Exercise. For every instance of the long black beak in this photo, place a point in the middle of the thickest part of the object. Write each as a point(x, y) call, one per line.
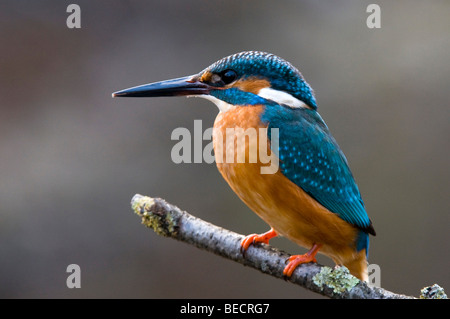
point(188, 85)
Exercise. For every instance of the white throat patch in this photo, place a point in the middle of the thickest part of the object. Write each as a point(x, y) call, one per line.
point(222, 105)
point(281, 97)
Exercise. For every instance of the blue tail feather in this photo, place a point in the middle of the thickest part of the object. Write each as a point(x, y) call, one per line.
point(362, 242)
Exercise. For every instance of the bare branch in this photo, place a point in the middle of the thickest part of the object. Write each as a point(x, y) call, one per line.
point(168, 220)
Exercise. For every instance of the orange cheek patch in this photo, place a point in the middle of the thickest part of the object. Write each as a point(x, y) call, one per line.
point(252, 84)
point(206, 77)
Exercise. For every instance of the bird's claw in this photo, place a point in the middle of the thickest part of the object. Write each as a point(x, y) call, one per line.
point(255, 238)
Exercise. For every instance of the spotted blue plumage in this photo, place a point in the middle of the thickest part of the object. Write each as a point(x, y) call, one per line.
point(311, 158)
point(282, 75)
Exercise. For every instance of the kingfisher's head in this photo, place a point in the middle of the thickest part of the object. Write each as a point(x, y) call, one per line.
point(241, 79)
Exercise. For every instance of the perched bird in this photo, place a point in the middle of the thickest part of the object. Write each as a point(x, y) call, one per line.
point(312, 198)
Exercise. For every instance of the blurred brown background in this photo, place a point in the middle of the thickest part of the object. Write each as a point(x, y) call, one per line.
point(72, 157)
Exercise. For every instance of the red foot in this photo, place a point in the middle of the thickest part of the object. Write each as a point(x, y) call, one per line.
point(296, 260)
point(255, 238)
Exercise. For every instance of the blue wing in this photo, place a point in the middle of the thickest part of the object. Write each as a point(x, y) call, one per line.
point(310, 158)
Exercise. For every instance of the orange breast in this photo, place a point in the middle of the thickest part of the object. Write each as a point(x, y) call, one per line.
point(289, 210)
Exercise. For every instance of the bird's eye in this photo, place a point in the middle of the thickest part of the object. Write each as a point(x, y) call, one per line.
point(228, 76)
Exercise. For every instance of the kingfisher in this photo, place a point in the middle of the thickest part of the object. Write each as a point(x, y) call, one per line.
point(312, 198)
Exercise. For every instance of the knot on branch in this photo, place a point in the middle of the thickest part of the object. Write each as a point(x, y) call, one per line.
point(156, 214)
